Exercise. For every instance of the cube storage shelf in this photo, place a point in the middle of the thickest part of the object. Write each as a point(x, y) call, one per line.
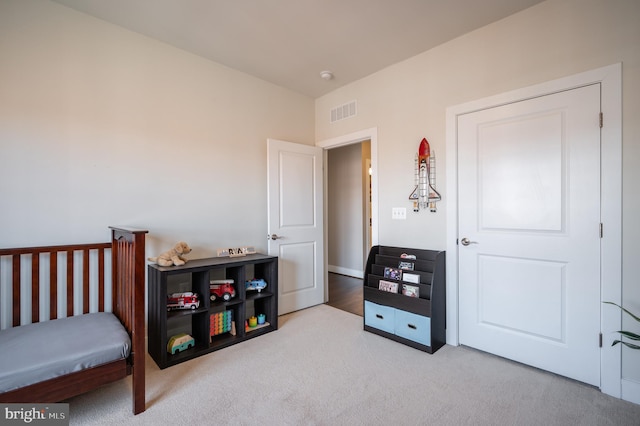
point(195, 277)
point(419, 322)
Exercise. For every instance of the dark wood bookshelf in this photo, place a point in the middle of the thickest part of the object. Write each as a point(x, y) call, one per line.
point(195, 277)
point(419, 322)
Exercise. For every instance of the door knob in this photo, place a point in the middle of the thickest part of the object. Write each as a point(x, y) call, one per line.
point(465, 241)
point(273, 237)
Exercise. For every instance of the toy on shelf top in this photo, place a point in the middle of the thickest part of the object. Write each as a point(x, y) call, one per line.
point(235, 252)
point(173, 256)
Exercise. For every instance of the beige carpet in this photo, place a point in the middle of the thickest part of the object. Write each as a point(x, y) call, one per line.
point(321, 368)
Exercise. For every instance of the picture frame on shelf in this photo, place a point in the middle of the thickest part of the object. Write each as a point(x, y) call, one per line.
point(389, 286)
point(412, 278)
point(406, 266)
point(410, 290)
point(393, 273)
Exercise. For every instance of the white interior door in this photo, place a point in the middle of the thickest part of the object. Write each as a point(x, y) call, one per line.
point(295, 222)
point(529, 229)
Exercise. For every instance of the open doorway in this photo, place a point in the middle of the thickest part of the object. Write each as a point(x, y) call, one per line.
point(349, 223)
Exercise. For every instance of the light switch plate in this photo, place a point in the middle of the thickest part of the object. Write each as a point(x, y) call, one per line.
point(399, 213)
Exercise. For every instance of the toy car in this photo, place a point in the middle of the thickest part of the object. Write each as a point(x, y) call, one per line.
point(186, 300)
point(221, 288)
point(256, 284)
point(180, 342)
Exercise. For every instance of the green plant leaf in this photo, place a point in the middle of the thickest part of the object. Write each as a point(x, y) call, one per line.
point(630, 335)
point(632, 315)
point(631, 345)
point(627, 334)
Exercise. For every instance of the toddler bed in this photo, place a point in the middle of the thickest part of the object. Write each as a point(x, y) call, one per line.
point(55, 358)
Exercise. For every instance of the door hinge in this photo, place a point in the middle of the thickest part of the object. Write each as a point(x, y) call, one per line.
point(601, 230)
point(601, 120)
point(600, 339)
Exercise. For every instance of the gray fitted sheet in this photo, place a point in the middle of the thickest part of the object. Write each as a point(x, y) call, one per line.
point(36, 352)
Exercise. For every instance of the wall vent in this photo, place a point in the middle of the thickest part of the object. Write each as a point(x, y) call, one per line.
point(343, 111)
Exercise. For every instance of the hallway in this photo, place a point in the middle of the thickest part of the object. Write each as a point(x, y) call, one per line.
point(345, 293)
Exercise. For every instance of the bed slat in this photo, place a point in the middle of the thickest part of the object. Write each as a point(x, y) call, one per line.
point(85, 281)
point(69, 283)
point(35, 288)
point(101, 281)
point(16, 289)
point(53, 285)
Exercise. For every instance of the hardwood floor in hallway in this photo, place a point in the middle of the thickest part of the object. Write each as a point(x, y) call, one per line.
point(345, 293)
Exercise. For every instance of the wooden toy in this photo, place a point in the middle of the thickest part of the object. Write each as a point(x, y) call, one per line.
point(253, 321)
point(221, 322)
point(180, 342)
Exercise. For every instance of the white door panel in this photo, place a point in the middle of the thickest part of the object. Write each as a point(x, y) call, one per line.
point(521, 183)
point(298, 274)
point(521, 281)
point(296, 182)
point(529, 200)
point(295, 209)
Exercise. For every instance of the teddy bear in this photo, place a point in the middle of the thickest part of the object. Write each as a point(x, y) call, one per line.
point(173, 256)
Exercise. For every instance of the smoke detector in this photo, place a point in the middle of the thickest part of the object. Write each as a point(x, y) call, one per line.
point(326, 75)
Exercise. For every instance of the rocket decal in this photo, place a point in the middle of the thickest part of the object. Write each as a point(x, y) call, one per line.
point(424, 194)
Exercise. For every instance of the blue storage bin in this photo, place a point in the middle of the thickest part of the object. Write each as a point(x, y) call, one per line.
point(379, 316)
point(413, 327)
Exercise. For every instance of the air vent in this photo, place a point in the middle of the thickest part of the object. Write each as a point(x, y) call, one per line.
point(343, 111)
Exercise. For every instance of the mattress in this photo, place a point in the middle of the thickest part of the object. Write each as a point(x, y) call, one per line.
point(35, 352)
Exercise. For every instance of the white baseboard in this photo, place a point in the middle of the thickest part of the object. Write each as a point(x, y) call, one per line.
point(346, 271)
point(630, 391)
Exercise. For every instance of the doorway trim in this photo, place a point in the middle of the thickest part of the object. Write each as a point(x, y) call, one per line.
point(610, 80)
point(370, 134)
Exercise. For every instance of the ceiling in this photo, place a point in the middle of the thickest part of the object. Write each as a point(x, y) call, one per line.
point(289, 42)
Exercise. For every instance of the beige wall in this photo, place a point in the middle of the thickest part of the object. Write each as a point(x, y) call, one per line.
point(101, 126)
point(408, 101)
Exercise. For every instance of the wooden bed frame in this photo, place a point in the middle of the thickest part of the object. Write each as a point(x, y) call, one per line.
point(128, 304)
